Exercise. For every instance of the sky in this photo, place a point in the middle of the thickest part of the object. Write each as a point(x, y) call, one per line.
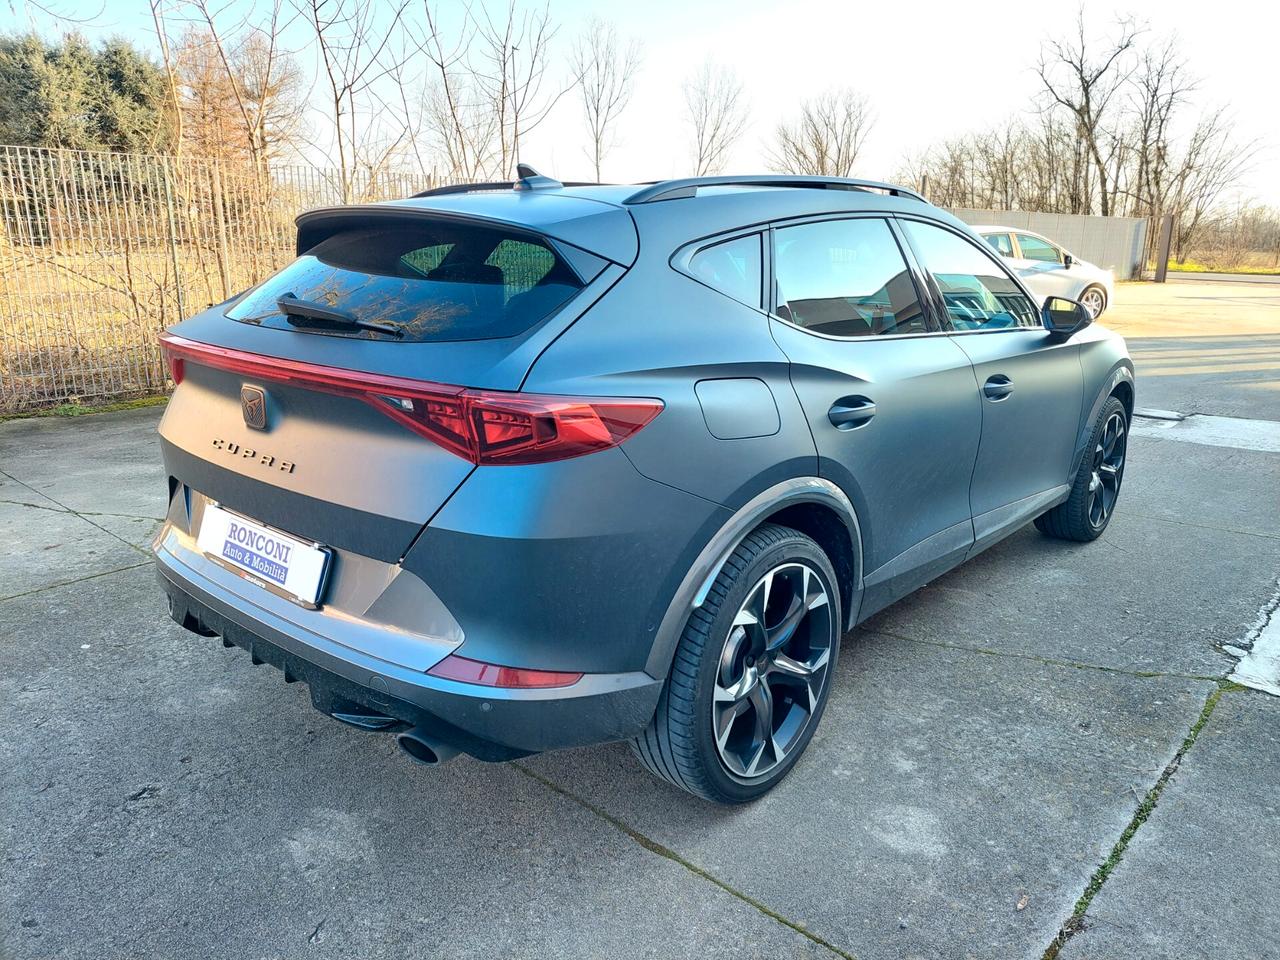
point(930, 70)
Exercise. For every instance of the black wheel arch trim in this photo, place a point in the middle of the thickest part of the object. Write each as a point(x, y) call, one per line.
point(693, 589)
point(1122, 372)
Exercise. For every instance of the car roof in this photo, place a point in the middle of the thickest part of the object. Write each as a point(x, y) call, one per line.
point(605, 218)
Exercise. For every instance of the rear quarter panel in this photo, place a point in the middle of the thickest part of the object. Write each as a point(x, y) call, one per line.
point(659, 333)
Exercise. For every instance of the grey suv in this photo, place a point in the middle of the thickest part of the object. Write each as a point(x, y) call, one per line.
point(504, 468)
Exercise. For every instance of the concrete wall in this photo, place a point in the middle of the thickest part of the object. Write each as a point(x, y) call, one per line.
point(1113, 242)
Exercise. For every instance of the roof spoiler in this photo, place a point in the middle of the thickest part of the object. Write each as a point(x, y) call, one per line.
point(529, 179)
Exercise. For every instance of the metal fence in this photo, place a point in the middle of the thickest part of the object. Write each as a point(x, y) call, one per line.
point(101, 251)
point(1115, 243)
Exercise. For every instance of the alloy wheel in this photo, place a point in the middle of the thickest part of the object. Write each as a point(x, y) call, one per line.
point(773, 670)
point(1108, 470)
point(1093, 301)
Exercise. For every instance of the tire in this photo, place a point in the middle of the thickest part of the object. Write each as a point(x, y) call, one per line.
point(1092, 293)
point(1082, 517)
point(710, 685)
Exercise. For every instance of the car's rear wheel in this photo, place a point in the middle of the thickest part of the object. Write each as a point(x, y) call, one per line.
point(752, 671)
point(1094, 300)
point(1096, 488)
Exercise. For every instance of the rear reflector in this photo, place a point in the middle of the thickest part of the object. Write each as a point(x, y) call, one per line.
point(458, 668)
point(491, 427)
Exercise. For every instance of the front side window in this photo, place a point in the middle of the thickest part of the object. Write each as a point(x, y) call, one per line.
point(425, 280)
point(975, 289)
point(1001, 243)
point(1033, 248)
point(845, 278)
point(732, 267)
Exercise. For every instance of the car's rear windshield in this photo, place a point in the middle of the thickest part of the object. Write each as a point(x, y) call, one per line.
point(434, 280)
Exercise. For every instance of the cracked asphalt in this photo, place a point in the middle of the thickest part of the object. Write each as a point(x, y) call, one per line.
point(1037, 755)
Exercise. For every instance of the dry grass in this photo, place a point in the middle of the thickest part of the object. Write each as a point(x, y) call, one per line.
point(80, 324)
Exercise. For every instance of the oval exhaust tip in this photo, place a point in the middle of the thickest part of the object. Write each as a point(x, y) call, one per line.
point(422, 750)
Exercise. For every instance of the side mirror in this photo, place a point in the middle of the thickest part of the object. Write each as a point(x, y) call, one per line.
point(1067, 260)
point(1063, 318)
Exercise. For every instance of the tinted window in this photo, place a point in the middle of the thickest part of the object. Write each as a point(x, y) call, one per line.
point(845, 278)
point(430, 280)
point(1001, 243)
point(1033, 248)
point(977, 292)
point(732, 267)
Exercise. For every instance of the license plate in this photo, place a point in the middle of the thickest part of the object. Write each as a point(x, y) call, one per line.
point(274, 560)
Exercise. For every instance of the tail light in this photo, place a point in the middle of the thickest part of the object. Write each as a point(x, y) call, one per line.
point(484, 426)
point(454, 667)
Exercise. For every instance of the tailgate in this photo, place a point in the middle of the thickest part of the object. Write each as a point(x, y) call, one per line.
point(383, 301)
point(329, 468)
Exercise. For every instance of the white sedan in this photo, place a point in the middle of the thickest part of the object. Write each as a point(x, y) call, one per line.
point(1050, 271)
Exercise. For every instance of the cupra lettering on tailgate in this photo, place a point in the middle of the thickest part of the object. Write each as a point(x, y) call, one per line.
point(231, 448)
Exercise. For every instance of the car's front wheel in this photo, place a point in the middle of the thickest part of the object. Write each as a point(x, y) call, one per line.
point(752, 671)
point(1096, 487)
point(1094, 299)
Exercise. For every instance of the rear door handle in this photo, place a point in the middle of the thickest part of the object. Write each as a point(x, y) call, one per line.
point(850, 412)
point(997, 387)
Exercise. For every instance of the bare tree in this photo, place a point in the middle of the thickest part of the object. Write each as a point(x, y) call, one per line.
point(1033, 164)
point(515, 55)
point(356, 43)
point(263, 82)
point(827, 137)
point(604, 69)
point(1160, 86)
point(1084, 81)
point(460, 122)
point(1142, 158)
point(271, 89)
point(1212, 164)
point(489, 87)
point(1244, 234)
point(713, 101)
point(170, 70)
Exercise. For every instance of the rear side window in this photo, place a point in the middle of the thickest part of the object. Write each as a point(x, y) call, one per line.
point(732, 267)
point(434, 280)
point(1033, 248)
point(845, 278)
point(978, 294)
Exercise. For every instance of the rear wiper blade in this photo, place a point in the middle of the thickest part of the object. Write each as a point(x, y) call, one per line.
point(300, 312)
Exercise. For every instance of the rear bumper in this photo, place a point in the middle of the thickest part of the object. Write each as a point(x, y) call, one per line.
point(485, 722)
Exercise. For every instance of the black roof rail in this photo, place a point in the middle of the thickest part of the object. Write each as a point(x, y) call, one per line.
point(688, 187)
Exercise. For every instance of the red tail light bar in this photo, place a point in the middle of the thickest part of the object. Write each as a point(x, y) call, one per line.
point(484, 426)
